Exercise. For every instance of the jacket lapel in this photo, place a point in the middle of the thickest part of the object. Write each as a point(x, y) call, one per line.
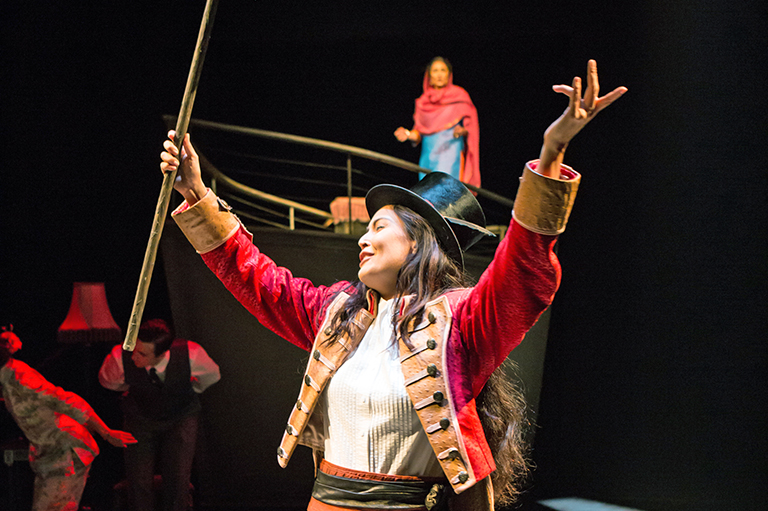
point(426, 380)
point(324, 361)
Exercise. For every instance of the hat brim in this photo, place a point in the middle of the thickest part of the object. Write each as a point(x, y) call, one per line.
point(390, 195)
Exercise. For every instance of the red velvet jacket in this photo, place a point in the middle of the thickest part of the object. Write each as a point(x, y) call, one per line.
point(488, 320)
point(468, 334)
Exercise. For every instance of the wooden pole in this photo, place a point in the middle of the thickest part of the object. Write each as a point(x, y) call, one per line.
point(166, 190)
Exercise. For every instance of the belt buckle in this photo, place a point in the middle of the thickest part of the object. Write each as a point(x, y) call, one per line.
point(436, 497)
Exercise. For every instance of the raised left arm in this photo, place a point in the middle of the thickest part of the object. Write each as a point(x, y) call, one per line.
point(580, 111)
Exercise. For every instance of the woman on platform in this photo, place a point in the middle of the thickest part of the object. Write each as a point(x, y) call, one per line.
point(445, 123)
point(393, 401)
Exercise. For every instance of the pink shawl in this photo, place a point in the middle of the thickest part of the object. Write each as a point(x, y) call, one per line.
point(439, 109)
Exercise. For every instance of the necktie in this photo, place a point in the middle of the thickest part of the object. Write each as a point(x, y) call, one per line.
point(155, 378)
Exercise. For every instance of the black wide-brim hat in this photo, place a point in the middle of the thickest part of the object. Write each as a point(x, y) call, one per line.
point(445, 203)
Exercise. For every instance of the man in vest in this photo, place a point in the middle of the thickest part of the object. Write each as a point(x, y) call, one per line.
point(161, 380)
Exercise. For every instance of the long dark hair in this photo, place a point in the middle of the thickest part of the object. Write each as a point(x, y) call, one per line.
point(502, 409)
point(427, 273)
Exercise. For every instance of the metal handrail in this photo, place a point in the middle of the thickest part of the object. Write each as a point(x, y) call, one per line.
point(222, 178)
point(334, 146)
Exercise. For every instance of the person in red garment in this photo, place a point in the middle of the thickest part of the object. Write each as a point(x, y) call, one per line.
point(445, 124)
point(57, 424)
point(393, 402)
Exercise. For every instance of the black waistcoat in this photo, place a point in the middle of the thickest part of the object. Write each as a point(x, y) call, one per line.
point(174, 399)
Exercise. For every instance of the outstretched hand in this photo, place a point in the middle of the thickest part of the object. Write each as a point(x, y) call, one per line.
point(580, 111)
point(188, 180)
point(402, 134)
point(118, 438)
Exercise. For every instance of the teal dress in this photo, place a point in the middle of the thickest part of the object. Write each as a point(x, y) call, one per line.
point(443, 152)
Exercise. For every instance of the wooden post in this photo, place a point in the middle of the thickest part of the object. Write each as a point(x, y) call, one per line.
point(166, 190)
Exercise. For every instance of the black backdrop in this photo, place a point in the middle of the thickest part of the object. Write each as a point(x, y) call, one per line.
point(655, 371)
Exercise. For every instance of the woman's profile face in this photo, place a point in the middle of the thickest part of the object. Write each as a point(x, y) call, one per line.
point(438, 74)
point(383, 251)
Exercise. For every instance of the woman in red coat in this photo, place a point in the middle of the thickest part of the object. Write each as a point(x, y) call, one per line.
point(389, 402)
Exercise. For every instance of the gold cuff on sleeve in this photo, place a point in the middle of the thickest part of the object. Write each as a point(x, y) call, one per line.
point(207, 224)
point(543, 204)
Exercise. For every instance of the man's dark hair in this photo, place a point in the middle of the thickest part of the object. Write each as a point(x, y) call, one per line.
point(157, 332)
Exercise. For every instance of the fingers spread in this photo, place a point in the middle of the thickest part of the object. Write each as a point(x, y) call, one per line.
point(610, 98)
point(575, 103)
point(593, 86)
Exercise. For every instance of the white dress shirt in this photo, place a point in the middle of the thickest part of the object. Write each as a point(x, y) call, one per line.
point(203, 370)
point(372, 425)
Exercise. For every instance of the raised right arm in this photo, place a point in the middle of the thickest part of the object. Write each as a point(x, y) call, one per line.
point(287, 305)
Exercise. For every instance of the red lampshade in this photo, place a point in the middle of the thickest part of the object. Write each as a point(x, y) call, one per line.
point(89, 319)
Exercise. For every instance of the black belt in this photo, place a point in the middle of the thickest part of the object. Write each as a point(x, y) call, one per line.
point(362, 494)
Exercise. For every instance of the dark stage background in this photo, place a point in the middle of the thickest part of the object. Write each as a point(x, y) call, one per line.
point(655, 374)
